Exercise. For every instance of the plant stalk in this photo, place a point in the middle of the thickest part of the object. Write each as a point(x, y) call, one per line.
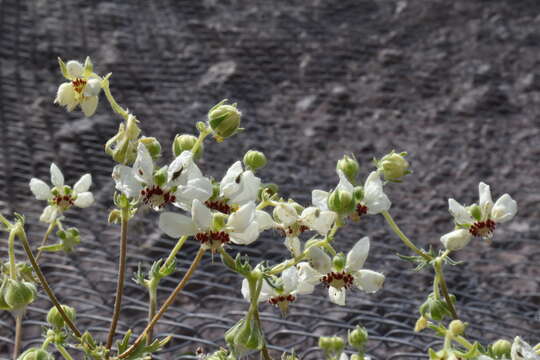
point(444, 289)
point(45, 238)
point(404, 238)
point(18, 336)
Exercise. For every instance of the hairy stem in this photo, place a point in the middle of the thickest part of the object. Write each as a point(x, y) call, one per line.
point(404, 238)
point(18, 336)
point(173, 253)
point(167, 303)
point(22, 236)
point(11, 250)
point(63, 351)
point(152, 306)
point(444, 289)
point(45, 238)
point(121, 276)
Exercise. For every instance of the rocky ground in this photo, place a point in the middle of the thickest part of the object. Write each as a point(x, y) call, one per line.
point(456, 84)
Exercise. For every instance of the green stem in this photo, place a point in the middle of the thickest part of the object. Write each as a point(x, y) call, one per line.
point(152, 306)
point(22, 236)
point(404, 238)
point(11, 250)
point(166, 304)
point(46, 238)
point(255, 287)
point(121, 276)
point(173, 253)
point(279, 268)
point(46, 343)
point(444, 289)
point(200, 139)
point(63, 351)
point(18, 336)
point(114, 105)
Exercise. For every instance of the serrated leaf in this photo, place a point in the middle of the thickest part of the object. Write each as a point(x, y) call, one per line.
point(124, 343)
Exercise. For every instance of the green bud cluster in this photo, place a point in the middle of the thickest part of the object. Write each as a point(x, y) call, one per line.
point(349, 166)
point(224, 120)
point(436, 309)
point(245, 336)
point(358, 338)
point(122, 147)
point(394, 166)
point(341, 202)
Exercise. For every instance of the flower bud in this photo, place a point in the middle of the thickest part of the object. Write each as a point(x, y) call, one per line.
point(245, 336)
point(349, 166)
point(115, 216)
point(254, 160)
point(421, 324)
point(394, 166)
point(456, 239)
point(456, 327)
point(152, 145)
point(501, 348)
point(19, 294)
point(185, 142)
point(224, 119)
point(339, 262)
point(358, 338)
point(35, 354)
point(56, 320)
point(123, 146)
point(218, 221)
point(341, 202)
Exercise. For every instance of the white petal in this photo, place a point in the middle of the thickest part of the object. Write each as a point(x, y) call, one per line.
point(357, 255)
point(304, 286)
point(485, 201)
point(126, 182)
point(249, 188)
point(368, 281)
point(343, 356)
point(65, 95)
point(264, 220)
point(245, 290)
point(460, 214)
point(242, 218)
point(320, 260)
point(143, 167)
point(176, 225)
point(84, 199)
point(319, 198)
point(286, 214)
point(49, 214)
point(320, 221)
point(74, 68)
point(505, 209)
point(266, 291)
point(92, 87)
point(522, 351)
point(230, 183)
point(374, 197)
point(40, 189)
point(456, 239)
point(344, 183)
point(178, 171)
point(200, 189)
point(202, 216)
point(290, 279)
point(246, 237)
point(89, 105)
point(306, 274)
point(293, 245)
point(83, 184)
point(337, 296)
point(57, 178)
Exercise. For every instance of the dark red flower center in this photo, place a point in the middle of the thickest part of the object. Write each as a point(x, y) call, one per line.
point(78, 85)
point(338, 280)
point(63, 201)
point(156, 197)
point(281, 298)
point(483, 228)
point(213, 238)
point(220, 206)
point(361, 209)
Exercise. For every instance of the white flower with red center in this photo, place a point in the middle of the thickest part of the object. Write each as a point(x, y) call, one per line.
point(281, 291)
point(291, 223)
point(61, 197)
point(178, 184)
point(242, 227)
point(82, 89)
point(521, 350)
point(319, 198)
point(341, 273)
point(374, 200)
point(478, 220)
point(237, 188)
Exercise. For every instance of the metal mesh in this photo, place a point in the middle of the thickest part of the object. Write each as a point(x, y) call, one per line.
point(455, 84)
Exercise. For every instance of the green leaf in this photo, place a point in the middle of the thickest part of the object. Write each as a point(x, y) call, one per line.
point(63, 69)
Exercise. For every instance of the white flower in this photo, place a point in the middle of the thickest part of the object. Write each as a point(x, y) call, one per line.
point(319, 198)
point(338, 280)
point(481, 220)
point(456, 239)
point(242, 227)
point(523, 351)
point(82, 89)
point(179, 183)
point(283, 290)
point(374, 200)
point(312, 218)
point(61, 197)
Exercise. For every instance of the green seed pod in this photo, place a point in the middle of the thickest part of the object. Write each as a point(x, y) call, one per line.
point(349, 166)
point(160, 176)
point(56, 320)
point(457, 327)
point(153, 146)
point(19, 294)
point(254, 160)
point(224, 120)
point(185, 142)
point(476, 212)
point(358, 193)
point(35, 354)
point(341, 202)
point(501, 348)
point(339, 261)
point(358, 338)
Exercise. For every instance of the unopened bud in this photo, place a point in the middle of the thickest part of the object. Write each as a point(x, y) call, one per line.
point(224, 119)
point(456, 239)
point(501, 348)
point(394, 166)
point(421, 324)
point(358, 338)
point(457, 327)
point(115, 216)
point(56, 320)
point(19, 294)
point(254, 160)
point(341, 202)
point(185, 142)
point(349, 166)
point(152, 145)
point(358, 193)
point(331, 345)
point(35, 354)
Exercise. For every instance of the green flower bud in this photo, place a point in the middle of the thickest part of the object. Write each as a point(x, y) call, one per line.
point(358, 193)
point(325, 343)
point(456, 327)
point(341, 202)
point(115, 216)
point(332, 345)
point(152, 145)
point(349, 166)
point(254, 160)
point(243, 337)
point(185, 142)
point(218, 221)
point(501, 348)
point(421, 324)
point(35, 354)
point(394, 166)
point(123, 146)
point(339, 261)
point(476, 212)
point(56, 320)
point(224, 119)
point(358, 338)
point(160, 176)
point(19, 294)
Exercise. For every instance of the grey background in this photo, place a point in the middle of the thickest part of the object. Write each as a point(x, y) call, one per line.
point(456, 84)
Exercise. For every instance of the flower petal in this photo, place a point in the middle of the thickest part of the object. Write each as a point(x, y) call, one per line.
point(286, 214)
point(344, 183)
point(368, 280)
point(176, 225)
point(337, 296)
point(178, 171)
point(485, 201)
point(143, 167)
point(126, 182)
point(264, 220)
point(456, 239)
point(92, 88)
point(374, 198)
point(320, 221)
point(230, 183)
point(246, 237)
point(65, 96)
point(319, 198)
point(504, 210)
point(200, 189)
point(202, 216)
point(89, 105)
point(242, 218)
point(290, 279)
point(84, 199)
point(307, 274)
point(460, 214)
point(57, 178)
point(83, 184)
point(320, 260)
point(49, 214)
point(40, 189)
point(293, 245)
point(249, 188)
point(357, 255)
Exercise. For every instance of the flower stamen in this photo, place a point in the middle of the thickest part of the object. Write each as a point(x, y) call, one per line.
point(220, 206)
point(361, 209)
point(338, 280)
point(156, 197)
point(78, 85)
point(483, 228)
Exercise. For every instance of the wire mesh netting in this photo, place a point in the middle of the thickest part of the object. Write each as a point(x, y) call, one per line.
point(455, 84)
